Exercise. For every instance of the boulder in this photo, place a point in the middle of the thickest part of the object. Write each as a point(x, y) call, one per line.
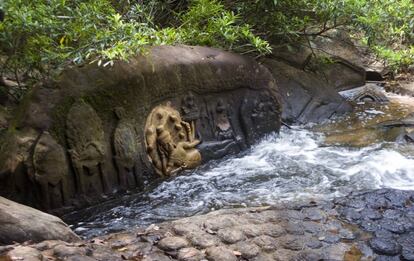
point(333, 55)
point(305, 96)
point(19, 223)
point(95, 130)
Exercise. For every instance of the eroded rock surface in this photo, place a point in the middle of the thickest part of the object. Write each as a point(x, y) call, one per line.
point(376, 225)
point(92, 122)
point(19, 223)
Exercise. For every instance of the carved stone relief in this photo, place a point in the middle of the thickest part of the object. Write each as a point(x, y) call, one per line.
point(259, 116)
point(86, 141)
point(170, 141)
point(51, 172)
point(224, 129)
point(126, 150)
point(190, 111)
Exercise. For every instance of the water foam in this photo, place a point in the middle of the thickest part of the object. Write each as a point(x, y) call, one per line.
point(292, 165)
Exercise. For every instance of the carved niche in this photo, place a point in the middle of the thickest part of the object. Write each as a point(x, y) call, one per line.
point(170, 141)
point(126, 150)
point(51, 172)
point(224, 130)
point(190, 112)
point(86, 141)
point(259, 115)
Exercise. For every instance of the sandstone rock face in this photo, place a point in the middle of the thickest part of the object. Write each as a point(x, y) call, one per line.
point(306, 97)
point(103, 129)
point(309, 76)
point(19, 223)
point(375, 225)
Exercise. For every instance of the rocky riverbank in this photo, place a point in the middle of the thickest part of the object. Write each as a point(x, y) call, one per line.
point(376, 225)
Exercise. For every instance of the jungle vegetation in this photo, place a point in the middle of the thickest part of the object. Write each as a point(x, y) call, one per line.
point(38, 38)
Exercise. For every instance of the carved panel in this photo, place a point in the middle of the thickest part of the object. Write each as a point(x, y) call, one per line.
point(170, 141)
point(259, 116)
point(86, 141)
point(126, 150)
point(51, 172)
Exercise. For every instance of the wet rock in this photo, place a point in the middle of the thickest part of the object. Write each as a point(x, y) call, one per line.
point(385, 246)
point(292, 242)
point(230, 235)
point(219, 222)
point(267, 243)
point(220, 254)
point(23, 253)
point(314, 214)
point(190, 254)
point(172, 243)
point(308, 255)
point(156, 256)
point(203, 239)
point(64, 251)
point(80, 258)
point(186, 228)
point(330, 238)
point(252, 230)
point(274, 230)
point(313, 243)
point(367, 93)
point(346, 234)
point(248, 250)
point(295, 228)
point(263, 257)
point(19, 223)
point(284, 254)
point(312, 227)
point(392, 225)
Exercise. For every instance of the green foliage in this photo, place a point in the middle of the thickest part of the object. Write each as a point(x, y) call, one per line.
point(40, 37)
point(386, 26)
point(207, 22)
point(389, 30)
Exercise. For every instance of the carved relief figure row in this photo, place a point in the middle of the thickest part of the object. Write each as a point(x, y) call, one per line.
point(171, 140)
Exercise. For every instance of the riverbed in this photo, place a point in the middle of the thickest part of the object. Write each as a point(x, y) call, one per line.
point(300, 163)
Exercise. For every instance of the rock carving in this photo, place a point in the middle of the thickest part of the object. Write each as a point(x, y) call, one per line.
point(190, 111)
point(126, 150)
point(87, 148)
point(170, 141)
point(51, 171)
point(224, 130)
point(259, 115)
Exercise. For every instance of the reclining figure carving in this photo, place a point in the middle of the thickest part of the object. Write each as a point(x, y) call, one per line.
point(170, 143)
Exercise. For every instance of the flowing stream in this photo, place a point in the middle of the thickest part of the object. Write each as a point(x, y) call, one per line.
point(292, 165)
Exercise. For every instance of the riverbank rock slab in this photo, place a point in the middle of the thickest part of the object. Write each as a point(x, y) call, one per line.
point(19, 223)
point(305, 231)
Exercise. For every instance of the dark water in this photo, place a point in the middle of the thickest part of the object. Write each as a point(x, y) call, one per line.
point(292, 165)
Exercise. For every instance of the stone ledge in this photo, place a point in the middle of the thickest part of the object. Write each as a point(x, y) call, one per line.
point(376, 225)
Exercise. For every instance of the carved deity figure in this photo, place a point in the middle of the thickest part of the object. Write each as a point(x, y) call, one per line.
point(87, 148)
point(51, 172)
point(223, 127)
point(170, 141)
point(264, 109)
point(126, 150)
point(259, 115)
point(190, 111)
